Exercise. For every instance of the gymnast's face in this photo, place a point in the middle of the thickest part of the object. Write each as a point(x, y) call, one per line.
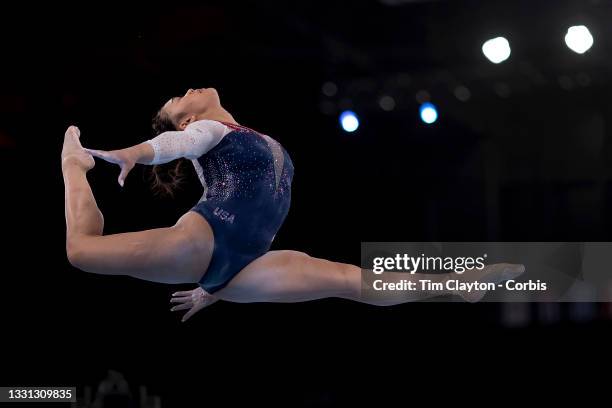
point(193, 106)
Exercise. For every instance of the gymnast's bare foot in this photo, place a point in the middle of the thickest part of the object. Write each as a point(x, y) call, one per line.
point(495, 273)
point(73, 152)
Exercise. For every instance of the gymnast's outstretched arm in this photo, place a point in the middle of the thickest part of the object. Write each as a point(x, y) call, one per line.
point(191, 143)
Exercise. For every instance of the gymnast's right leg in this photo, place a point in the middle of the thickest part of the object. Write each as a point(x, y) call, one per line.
point(291, 276)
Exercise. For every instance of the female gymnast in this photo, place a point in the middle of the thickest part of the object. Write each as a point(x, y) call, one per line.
point(223, 242)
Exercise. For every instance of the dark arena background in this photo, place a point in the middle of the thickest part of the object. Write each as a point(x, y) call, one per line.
point(520, 151)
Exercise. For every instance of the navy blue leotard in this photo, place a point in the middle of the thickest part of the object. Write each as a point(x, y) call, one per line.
point(249, 177)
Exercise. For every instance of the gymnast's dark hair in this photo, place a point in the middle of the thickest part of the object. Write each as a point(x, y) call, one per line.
point(166, 178)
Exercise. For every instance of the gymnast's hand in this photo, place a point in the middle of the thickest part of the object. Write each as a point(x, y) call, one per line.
point(125, 158)
point(194, 300)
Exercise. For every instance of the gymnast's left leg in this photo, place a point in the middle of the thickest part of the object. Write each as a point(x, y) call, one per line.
point(177, 254)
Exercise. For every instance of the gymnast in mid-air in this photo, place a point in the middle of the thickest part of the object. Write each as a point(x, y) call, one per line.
point(223, 242)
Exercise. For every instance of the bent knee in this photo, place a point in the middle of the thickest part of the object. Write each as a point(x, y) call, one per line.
point(75, 252)
point(74, 256)
point(82, 253)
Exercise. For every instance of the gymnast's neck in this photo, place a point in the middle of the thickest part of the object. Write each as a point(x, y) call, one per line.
point(219, 114)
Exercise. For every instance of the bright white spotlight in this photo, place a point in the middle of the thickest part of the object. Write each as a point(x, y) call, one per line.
point(349, 121)
point(496, 50)
point(429, 113)
point(579, 39)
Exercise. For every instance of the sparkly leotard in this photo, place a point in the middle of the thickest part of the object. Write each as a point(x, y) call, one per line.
point(247, 179)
